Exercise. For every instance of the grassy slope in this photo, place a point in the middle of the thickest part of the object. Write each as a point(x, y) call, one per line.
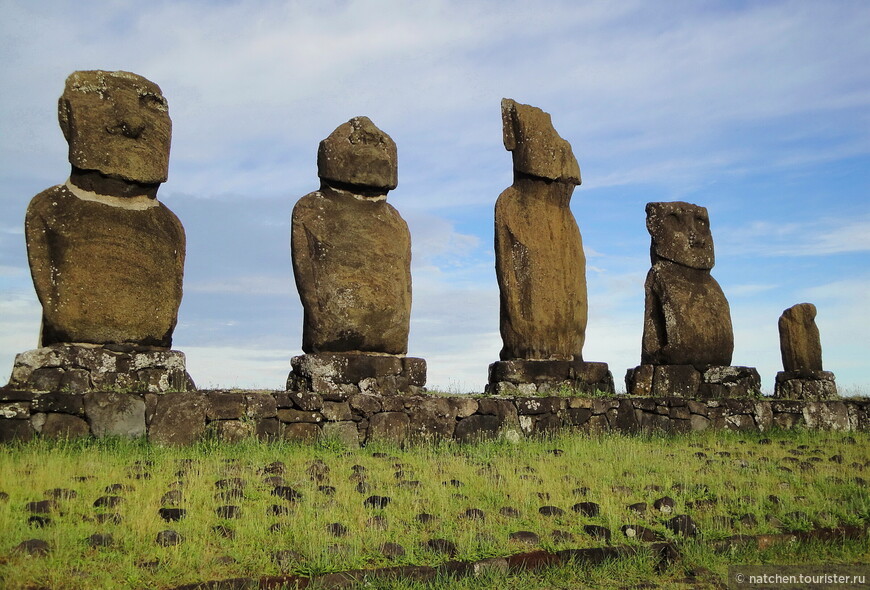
point(736, 470)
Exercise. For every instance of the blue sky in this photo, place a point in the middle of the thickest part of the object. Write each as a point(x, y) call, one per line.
point(758, 111)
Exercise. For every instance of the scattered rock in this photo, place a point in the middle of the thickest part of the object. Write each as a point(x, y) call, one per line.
point(562, 537)
point(473, 514)
point(665, 505)
point(39, 521)
point(641, 533)
point(42, 507)
point(286, 493)
point(228, 512)
point(599, 533)
point(33, 547)
point(172, 498)
point(638, 508)
point(172, 514)
point(61, 494)
point(277, 510)
point(682, 525)
point(377, 522)
point(286, 558)
point(109, 518)
point(224, 531)
point(590, 509)
point(442, 546)
point(98, 540)
point(550, 511)
point(377, 501)
point(509, 511)
point(525, 537)
point(108, 501)
point(392, 550)
point(169, 538)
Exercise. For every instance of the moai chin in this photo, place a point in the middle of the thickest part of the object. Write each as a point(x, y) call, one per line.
point(688, 339)
point(540, 264)
point(106, 257)
point(802, 376)
point(351, 254)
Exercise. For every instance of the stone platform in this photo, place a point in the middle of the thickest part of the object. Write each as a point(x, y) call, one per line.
point(539, 377)
point(805, 385)
point(337, 376)
point(79, 368)
point(184, 418)
point(713, 382)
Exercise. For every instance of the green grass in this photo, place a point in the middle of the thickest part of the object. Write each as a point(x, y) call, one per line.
point(524, 475)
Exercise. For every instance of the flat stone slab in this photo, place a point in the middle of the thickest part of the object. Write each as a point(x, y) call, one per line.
point(80, 368)
point(538, 377)
point(713, 382)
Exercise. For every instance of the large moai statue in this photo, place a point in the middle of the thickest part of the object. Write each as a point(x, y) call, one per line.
point(540, 265)
point(687, 335)
point(351, 255)
point(802, 377)
point(106, 256)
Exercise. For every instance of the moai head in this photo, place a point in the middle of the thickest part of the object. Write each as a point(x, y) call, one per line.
point(536, 147)
point(359, 154)
point(116, 123)
point(680, 233)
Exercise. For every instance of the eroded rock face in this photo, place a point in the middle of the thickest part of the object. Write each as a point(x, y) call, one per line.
point(687, 320)
point(106, 257)
point(540, 265)
point(799, 340)
point(351, 249)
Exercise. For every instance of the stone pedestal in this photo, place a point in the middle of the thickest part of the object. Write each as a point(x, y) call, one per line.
point(79, 368)
point(713, 382)
point(538, 377)
point(339, 375)
point(805, 385)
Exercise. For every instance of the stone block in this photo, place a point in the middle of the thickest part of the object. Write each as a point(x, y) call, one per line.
point(625, 419)
point(538, 405)
point(389, 427)
point(476, 428)
point(266, 428)
point(307, 401)
point(426, 423)
point(415, 370)
point(299, 431)
point(15, 410)
point(179, 418)
point(696, 407)
point(366, 404)
point(547, 424)
point(576, 416)
point(676, 381)
point(698, 422)
point(15, 430)
point(59, 426)
point(115, 414)
point(639, 381)
point(336, 411)
point(230, 431)
point(260, 405)
point(64, 403)
point(346, 433)
point(225, 406)
point(299, 416)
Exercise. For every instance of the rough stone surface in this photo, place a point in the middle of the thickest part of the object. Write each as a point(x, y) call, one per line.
point(115, 414)
point(799, 340)
point(805, 385)
point(80, 368)
point(389, 426)
point(540, 264)
point(359, 154)
point(687, 320)
point(64, 426)
point(351, 250)
point(340, 377)
point(686, 381)
point(178, 419)
point(539, 377)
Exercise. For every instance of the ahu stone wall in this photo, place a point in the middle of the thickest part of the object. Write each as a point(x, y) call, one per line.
point(184, 418)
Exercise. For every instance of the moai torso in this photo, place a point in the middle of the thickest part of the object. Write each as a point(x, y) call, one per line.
point(687, 320)
point(799, 340)
point(351, 249)
point(540, 265)
point(106, 257)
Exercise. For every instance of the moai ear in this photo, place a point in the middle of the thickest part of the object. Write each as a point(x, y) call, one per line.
point(63, 117)
point(509, 122)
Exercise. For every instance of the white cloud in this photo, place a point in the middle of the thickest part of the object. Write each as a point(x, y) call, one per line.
point(823, 237)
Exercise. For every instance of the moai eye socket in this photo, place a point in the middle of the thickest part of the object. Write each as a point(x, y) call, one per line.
point(152, 101)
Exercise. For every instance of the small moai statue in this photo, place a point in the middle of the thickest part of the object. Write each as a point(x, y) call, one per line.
point(351, 254)
point(106, 257)
point(540, 265)
point(802, 377)
point(688, 339)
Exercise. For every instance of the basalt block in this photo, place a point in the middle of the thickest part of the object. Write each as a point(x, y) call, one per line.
point(536, 377)
point(710, 382)
point(79, 368)
point(342, 376)
point(805, 385)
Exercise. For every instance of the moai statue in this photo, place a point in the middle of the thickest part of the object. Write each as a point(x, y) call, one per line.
point(107, 257)
point(687, 335)
point(802, 376)
point(351, 255)
point(540, 265)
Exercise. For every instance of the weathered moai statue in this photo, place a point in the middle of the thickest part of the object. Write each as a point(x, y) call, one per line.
point(687, 335)
point(351, 255)
point(802, 376)
point(540, 265)
point(106, 256)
